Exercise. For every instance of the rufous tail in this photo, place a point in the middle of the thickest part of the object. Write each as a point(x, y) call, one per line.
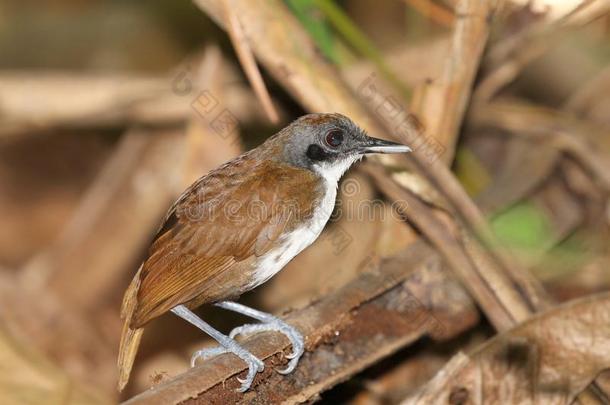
point(130, 338)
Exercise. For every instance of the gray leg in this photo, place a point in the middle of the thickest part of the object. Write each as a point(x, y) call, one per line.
point(228, 346)
point(269, 323)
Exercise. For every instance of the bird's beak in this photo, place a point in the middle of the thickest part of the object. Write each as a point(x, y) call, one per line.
point(374, 145)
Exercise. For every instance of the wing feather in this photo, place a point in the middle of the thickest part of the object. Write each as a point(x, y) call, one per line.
point(220, 223)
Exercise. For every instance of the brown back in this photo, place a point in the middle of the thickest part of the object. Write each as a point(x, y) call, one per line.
point(223, 221)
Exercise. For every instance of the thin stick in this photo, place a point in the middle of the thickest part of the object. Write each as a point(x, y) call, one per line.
point(246, 58)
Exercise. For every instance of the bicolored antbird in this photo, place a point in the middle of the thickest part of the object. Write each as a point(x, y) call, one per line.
point(211, 248)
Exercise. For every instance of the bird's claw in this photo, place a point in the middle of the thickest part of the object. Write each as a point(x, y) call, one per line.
point(255, 365)
point(292, 355)
point(205, 354)
point(240, 330)
point(295, 337)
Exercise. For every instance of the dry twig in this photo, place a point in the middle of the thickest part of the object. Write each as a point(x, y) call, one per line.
point(444, 102)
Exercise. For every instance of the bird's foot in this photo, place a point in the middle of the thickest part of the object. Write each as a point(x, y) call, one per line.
point(277, 325)
point(255, 365)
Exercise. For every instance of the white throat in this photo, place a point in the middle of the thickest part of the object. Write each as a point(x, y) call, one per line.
point(332, 172)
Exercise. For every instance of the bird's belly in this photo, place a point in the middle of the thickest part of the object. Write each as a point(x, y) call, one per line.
point(292, 244)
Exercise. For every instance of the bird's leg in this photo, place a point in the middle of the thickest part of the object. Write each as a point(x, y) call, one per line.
point(269, 323)
point(228, 345)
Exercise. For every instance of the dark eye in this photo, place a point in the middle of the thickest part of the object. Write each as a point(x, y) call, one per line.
point(334, 138)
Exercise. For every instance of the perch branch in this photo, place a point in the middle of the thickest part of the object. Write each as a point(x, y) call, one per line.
point(387, 307)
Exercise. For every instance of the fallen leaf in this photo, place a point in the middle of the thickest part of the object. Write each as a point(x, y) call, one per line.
point(549, 359)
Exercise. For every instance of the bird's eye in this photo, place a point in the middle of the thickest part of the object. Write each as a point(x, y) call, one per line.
point(334, 138)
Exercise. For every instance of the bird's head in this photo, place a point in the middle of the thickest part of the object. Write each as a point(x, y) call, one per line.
point(329, 144)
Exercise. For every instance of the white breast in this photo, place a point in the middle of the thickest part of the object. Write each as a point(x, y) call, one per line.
point(293, 243)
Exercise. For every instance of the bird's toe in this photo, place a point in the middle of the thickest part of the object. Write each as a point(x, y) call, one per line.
point(207, 353)
point(294, 336)
point(255, 365)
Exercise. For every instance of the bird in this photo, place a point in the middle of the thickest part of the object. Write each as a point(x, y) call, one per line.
point(236, 227)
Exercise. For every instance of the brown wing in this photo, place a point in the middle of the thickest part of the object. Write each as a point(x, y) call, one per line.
point(223, 221)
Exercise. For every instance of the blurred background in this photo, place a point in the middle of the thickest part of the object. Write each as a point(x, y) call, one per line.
point(108, 110)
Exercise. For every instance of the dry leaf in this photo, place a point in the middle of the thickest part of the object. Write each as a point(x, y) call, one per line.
point(548, 359)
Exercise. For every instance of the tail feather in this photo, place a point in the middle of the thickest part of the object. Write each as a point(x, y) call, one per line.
point(130, 338)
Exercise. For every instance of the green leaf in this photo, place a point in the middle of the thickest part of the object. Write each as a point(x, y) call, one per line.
point(523, 228)
point(359, 41)
point(316, 24)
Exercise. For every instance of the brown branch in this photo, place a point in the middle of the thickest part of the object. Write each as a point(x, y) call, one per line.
point(444, 101)
point(503, 307)
point(282, 45)
point(387, 307)
point(64, 100)
point(509, 69)
point(97, 101)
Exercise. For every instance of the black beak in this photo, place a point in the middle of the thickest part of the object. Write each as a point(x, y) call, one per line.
point(374, 145)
